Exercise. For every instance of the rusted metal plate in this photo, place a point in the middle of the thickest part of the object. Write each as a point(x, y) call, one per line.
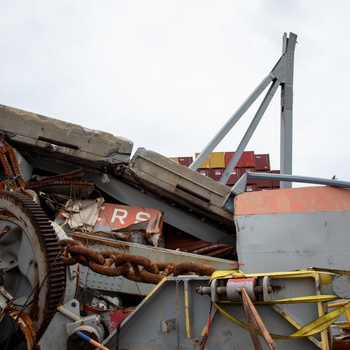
point(341, 344)
point(65, 141)
point(291, 229)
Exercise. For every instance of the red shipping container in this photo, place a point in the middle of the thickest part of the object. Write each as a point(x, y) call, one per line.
point(234, 177)
point(263, 183)
point(250, 188)
point(249, 181)
point(275, 183)
point(186, 161)
point(216, 174)
point(205, 172)
point(247, 159)
point(262, 162)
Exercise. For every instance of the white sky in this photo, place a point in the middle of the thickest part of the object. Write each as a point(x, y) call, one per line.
point(168, 74)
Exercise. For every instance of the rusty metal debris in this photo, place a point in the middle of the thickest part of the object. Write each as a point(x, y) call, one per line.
point(186, 243)
point(133, 267)
point(119, 221)
point(67, 184)
point(12, 175)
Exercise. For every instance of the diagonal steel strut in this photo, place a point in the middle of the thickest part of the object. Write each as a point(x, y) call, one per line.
point(281, 75)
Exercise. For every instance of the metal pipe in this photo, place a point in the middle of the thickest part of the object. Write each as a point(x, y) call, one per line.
point(91, 341)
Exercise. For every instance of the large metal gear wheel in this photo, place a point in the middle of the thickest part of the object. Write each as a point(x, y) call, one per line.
point(31, 270)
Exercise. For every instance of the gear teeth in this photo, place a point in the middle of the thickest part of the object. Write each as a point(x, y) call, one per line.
point(56, 271)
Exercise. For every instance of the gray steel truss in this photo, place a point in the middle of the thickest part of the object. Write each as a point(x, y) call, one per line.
point(281, 75)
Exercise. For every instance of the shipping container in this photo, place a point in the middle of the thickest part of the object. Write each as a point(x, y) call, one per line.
point(262, 162)
point(205, 164)
point(205, 172)
point(217, 160)
point(244, 170)
point(263, 183)
point(216, 174)
point(175, 159)
point(235, 175)
point(250, 188)
point(186, 161)
point(275, 183)
point(247, 159)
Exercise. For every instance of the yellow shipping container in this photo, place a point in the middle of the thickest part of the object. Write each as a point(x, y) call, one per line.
point(217, 160)
point(175, 159)
point(205, 164)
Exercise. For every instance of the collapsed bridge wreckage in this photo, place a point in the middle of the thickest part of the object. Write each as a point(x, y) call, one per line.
point(103, 249)
point(84, 232)
point(93, 203)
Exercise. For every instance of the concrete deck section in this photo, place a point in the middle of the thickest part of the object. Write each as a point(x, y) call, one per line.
point(58, 139)
point(181, 184)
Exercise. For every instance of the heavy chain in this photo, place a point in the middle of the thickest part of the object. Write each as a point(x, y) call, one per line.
point(133, 267)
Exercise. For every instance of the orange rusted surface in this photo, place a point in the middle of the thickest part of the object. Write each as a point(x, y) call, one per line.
point(303, 199)
point(341, 344)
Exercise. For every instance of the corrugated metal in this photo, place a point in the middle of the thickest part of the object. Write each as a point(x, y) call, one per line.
point(186, 161)
point(262, 162)
point(217, 160)
point(205, 172)
point(263, 183)
point(235, 175)
point(175, 159)
point(216, 174)
point(205, 164)
point(247, 159)
point(275, 183)
point(244, 170)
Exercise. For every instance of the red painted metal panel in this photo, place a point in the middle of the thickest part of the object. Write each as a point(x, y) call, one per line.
point(275, 183)
point(264, 183)
point(250, 188)
point(244, 170)
point(228, 157)
point(205, 172)
point(247, 159)
point(186, 161)
point(262, 162)
point(117, 216)
point(235, 175)
point(216, 174)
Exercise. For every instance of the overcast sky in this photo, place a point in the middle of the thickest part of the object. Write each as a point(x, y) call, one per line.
point(168, 74)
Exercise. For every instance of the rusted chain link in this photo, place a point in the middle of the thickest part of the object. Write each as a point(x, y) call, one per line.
point(134, 267)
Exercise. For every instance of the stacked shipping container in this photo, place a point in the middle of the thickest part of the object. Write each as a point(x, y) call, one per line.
point(217, 162)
